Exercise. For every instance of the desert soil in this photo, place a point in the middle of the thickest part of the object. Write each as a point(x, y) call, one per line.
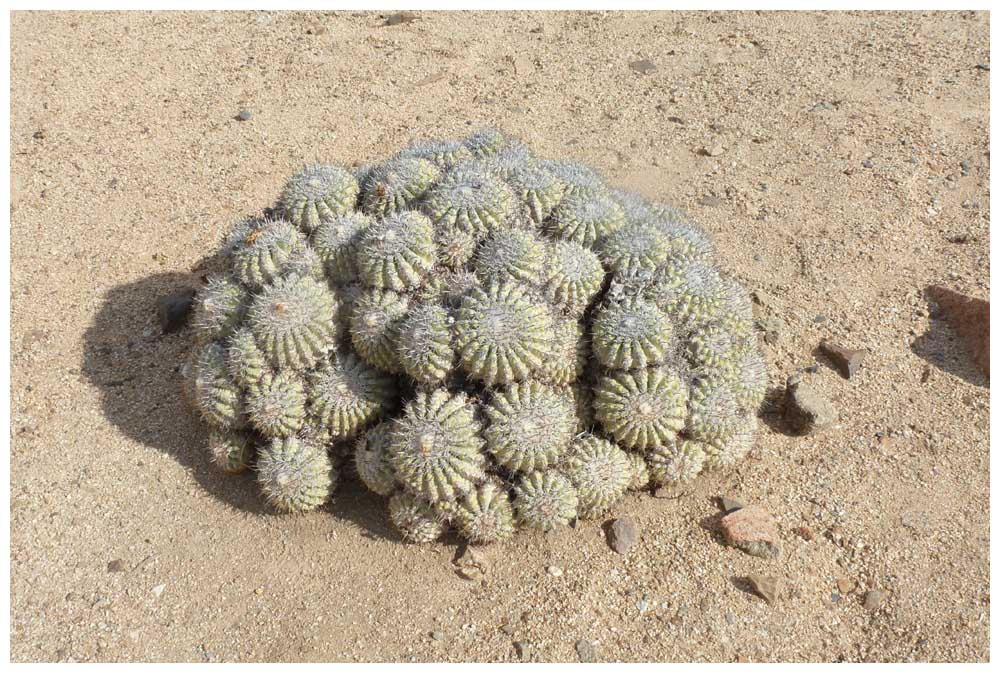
point(841, 162)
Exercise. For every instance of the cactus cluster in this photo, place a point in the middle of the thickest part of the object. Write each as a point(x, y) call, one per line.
point(492, 341)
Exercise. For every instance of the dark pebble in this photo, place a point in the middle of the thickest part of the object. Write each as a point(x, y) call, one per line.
point(175, 309)
point(400, 18)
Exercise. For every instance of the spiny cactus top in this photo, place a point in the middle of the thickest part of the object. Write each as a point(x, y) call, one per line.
point(498, 342)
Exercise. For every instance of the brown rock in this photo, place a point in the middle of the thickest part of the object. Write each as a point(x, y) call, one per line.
point(766, 586)
point(400, 17)
point(806, 409)
point(805, 532)
point(969, 317)
point(116, 566)
point(752, 529)
point(622, 535)
point(845, 584)
point(846, 360)
point(643, 67)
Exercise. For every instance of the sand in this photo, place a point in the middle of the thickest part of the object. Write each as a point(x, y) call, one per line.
point(837, 188)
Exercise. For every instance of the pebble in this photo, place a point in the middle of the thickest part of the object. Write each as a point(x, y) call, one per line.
point(521, 649)
point(845, 584)
point(867, 163)
point(622, 535)
point(965, 166)
point(437, 635)
point(508, 628)
point(968, 316)
point(469, 564)
point(753, 530)
point(765, 299)
point(846, 360)
point(983, 66)
point(834, 597)
point(822, 105)
point(873, 599)
point(400, 18)
point(710, 201)
point(805, 532)
point(245, 115)
point(555, 571)
point(772, 328)
point(174, 310)
point(643, 67)
point(766, 586)
point(713, 150)
point(158, 590)
point(585, 651)
point(807, 410)
point(116, 566)
point(729, 505)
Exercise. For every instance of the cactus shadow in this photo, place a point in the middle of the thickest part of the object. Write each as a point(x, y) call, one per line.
point(355, 503)
point(772, 412)
point(136, 371)
point(942, 348)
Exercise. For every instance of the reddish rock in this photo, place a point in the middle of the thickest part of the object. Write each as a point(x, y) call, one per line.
point(805, 532)
point(968, 316)
point(752, 529)
point(846, 360)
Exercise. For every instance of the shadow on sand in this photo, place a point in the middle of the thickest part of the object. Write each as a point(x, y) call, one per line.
point(137, 373)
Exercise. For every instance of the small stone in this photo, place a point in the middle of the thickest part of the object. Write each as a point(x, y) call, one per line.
point(710, 201)
point(555, 571)
point(807, 410)
point(873, 599)
point(622, 535)
point(805, 532)
point(713, 150)
point(400, 18)
point(867, 163)
point(643, 67)
point(968, 316)
point(116, 566)
point(437, 635)
point(765, 299)
point(158, 590)
point(845, 584)
point(469, 564)
point(730, 618)
point(244, 115)
point(846, 360)
point(585, 651)
point(665, 492)
point(772, 328)
point(835, 597)
point(982, 66)
point(729, 505)
point(521, 649)
point(174, 310)
point(675, 120)
point(147, 332)
point(766, 586)
point(752, 530)
point(508, 628)
point(965, 166)
point(39, 134)
point(822, 105)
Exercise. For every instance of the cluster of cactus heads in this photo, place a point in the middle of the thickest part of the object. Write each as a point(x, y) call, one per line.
point(489, 340)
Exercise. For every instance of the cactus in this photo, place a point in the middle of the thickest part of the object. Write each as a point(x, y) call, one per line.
point(415, 519)
point(474, 201)
point(345, 395)
point(277, 406)
point(336, 244)
point(371, 459)
point(435, 448)
point(218, 398)
point(574, 276)
point(230, 451)
point(219, 308)
point(502, 334)
point(545, 500)
point(292, 322)
point(318, 194)
point(397, 184)
point(601, 473)
point(530, 426)
point(397, 251)
point(295, 474)
point(641, 409)
point(632, 334)
point(584, 216)
point(485, 514)
point(498, 341)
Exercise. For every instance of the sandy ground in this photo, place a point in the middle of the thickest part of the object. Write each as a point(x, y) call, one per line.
point(840, 191)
